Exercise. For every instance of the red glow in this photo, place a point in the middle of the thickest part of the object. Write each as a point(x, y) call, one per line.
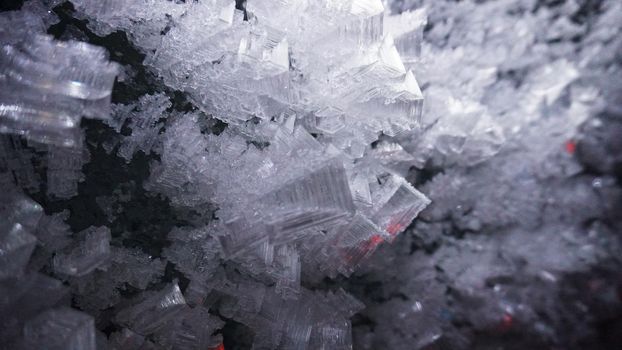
point(571, 147)
point(506, 322)
point(220, 346)
point(375, 240)
point(395, 228)
point(372, 243)
point(368, 245)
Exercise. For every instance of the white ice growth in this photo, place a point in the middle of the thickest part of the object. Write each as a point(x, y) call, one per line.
point(473, 107)
point(16, 245)
point(152, 314)
point(64, 170)
point(143, 120)
point(323, 117)
point(294, 58)
point(49, 85)
point(91, 251)
point(407, 30)
point(19, 217)
point(63, 328)
point(14, 26)
point(306, 87)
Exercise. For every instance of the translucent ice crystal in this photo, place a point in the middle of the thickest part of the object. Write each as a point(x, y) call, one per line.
point(277, 61)
point(183, 145)
point(287, 268)
point(14, 26)
point(194, 251)
point(143, 120)
point(19, 219)
point(396, 204)
point(279, 137)
point(60, 329)
point(341, 78)
point(192, 329)
point(357, 242)
point(317, 198)
point(407, 29)
point(134, 267)
point(18, 208)
point(92, 251)
point(154, 312)
point(50, 85)
point(17, 163)
point(64, 170)
point(16, 245)
point(306, 180)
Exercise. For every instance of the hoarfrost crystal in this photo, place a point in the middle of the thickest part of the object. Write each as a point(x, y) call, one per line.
point(49, 85)
point(258, 153)
point(305, 87)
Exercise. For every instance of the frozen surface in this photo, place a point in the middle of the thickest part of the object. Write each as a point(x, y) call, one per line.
point(60, 329)
point(296, 174)
point(49, 85)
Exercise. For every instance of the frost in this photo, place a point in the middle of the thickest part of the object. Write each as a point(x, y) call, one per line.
point(61, 329)
point(261, 155)
point(50, 85)
point(91, 251)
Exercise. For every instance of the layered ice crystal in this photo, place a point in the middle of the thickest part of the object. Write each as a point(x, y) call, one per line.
point(18, 221)
point(90, 252)
point(277, 62)
point(16, 246)
point(50, 85)
point(305, 182)
point(153, 313)
point(60, 329)
point(273, 142)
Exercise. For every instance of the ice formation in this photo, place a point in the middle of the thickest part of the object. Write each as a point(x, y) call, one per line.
point(49, 85)
point(254, 157)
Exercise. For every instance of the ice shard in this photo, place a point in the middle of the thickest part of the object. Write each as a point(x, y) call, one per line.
point(65, 170)
point(315, 199)
point(18, 208)
point(396, 204)
point(58, 329)
point(143, 120)
point(407, 29)
point(19, 219)
point(16, 246)
point(151, 314)
point(50, 85)
point(86, 255)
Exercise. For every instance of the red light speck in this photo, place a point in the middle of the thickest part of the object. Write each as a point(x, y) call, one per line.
point(395, 228)
point(571, 147)
point(220, 346)
point(506, 322)
point(372, 243)
point(375, 240)
point(367, 246)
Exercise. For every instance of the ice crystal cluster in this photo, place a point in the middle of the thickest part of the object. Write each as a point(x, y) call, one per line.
point(209, 174)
